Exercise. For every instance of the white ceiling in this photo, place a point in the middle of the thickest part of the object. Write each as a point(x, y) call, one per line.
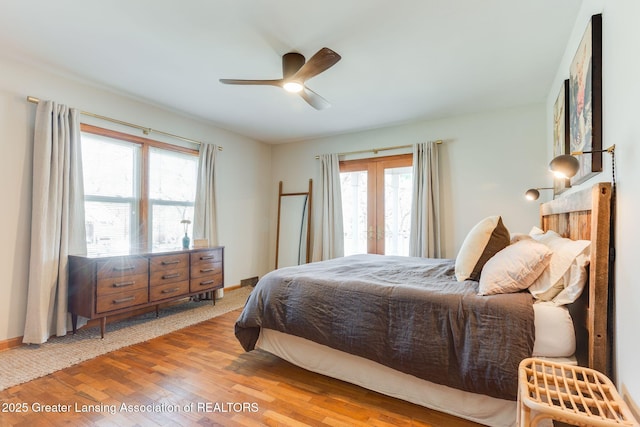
point(402, 61)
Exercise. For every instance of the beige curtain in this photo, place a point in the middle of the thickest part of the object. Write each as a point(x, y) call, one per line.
point(424, 239)
point(204, 220)
point(57, 219)
point(328, 240)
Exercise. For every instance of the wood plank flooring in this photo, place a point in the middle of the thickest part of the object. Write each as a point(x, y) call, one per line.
point(200, 376)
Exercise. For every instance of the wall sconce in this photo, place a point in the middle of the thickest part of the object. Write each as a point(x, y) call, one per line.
point(534, 193)
point(566, 166)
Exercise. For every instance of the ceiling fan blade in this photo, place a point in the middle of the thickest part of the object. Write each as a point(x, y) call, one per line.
point(324, 59)
point(313, 99)
point(252, 82)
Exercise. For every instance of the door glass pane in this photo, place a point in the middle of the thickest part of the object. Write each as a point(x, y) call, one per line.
point(397, 210)
point(354, 211)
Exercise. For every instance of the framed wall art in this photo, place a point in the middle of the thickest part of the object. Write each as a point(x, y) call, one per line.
point(585, 101)
point(561, 133)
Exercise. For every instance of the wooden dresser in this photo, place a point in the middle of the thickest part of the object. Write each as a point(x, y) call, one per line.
point(103, 286)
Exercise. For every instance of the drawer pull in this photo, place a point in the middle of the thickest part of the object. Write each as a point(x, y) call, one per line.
point(123, 300)
point(127, 268)
point(207, 270)
point(123, 284)
point(177, 261)
point(208, 282)
point(170, 291)
point(171, 276)
point(206, 257)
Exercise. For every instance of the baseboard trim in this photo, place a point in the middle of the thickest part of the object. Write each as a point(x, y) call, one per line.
point(17, 341)
point(10, 343)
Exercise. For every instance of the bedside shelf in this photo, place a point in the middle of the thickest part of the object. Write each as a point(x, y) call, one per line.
point(570, 394)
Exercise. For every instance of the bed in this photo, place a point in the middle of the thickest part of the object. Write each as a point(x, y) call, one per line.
point(435, 342)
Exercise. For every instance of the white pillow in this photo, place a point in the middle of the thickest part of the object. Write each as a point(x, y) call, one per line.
point(535, 230)
point(574, 279)
point(485, 239)
point(514, 268)
point(555, 334)
point(554, 279)
point(516, 237)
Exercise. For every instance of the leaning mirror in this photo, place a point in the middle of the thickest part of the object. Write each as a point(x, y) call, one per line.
point(294, 217)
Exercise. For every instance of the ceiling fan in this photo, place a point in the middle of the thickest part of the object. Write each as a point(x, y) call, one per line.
point(295, 72)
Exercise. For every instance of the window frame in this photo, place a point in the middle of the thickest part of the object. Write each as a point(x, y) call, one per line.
point(141, 230)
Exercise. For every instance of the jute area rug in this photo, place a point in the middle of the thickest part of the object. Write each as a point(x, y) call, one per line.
point(28, 362)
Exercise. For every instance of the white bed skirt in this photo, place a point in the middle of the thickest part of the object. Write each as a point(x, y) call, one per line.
point(333, 363)
point(374, 376)
point(554, 339)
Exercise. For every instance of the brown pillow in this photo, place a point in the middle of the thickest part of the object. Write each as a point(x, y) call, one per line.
point(485, 239)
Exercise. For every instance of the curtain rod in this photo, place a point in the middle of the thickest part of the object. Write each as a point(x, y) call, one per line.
point(144, 130)
point(375, 150)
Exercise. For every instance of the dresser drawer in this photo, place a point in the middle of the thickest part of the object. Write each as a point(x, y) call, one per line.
point(169, 290)
point(168, 262)
point(203, 269)
point(206, 257)
point(168, 276)
point(203, 284)
point(112, 285)
point(121, 300)
point(122, 266)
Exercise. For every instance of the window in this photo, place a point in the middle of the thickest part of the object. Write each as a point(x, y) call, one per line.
point(172, 192)
point(136, 192)
point(376, 204)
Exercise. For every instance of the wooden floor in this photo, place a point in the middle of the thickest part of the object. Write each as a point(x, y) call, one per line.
point(200, 376)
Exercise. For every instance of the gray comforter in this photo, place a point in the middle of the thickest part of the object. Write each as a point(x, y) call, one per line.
point(406, 313)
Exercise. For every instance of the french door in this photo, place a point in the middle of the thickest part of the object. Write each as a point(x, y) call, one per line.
point(376, 204)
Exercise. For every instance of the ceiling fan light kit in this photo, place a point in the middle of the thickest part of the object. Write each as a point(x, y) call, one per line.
point(296, 72)
point(293, 87)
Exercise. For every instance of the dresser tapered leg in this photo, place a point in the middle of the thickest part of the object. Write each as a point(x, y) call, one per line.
point(74, 322)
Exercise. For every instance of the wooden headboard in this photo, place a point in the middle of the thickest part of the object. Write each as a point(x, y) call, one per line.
point(586, 215)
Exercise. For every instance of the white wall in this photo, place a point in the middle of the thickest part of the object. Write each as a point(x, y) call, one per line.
point(621, 90)
point(488, 161)
point(241, 168)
